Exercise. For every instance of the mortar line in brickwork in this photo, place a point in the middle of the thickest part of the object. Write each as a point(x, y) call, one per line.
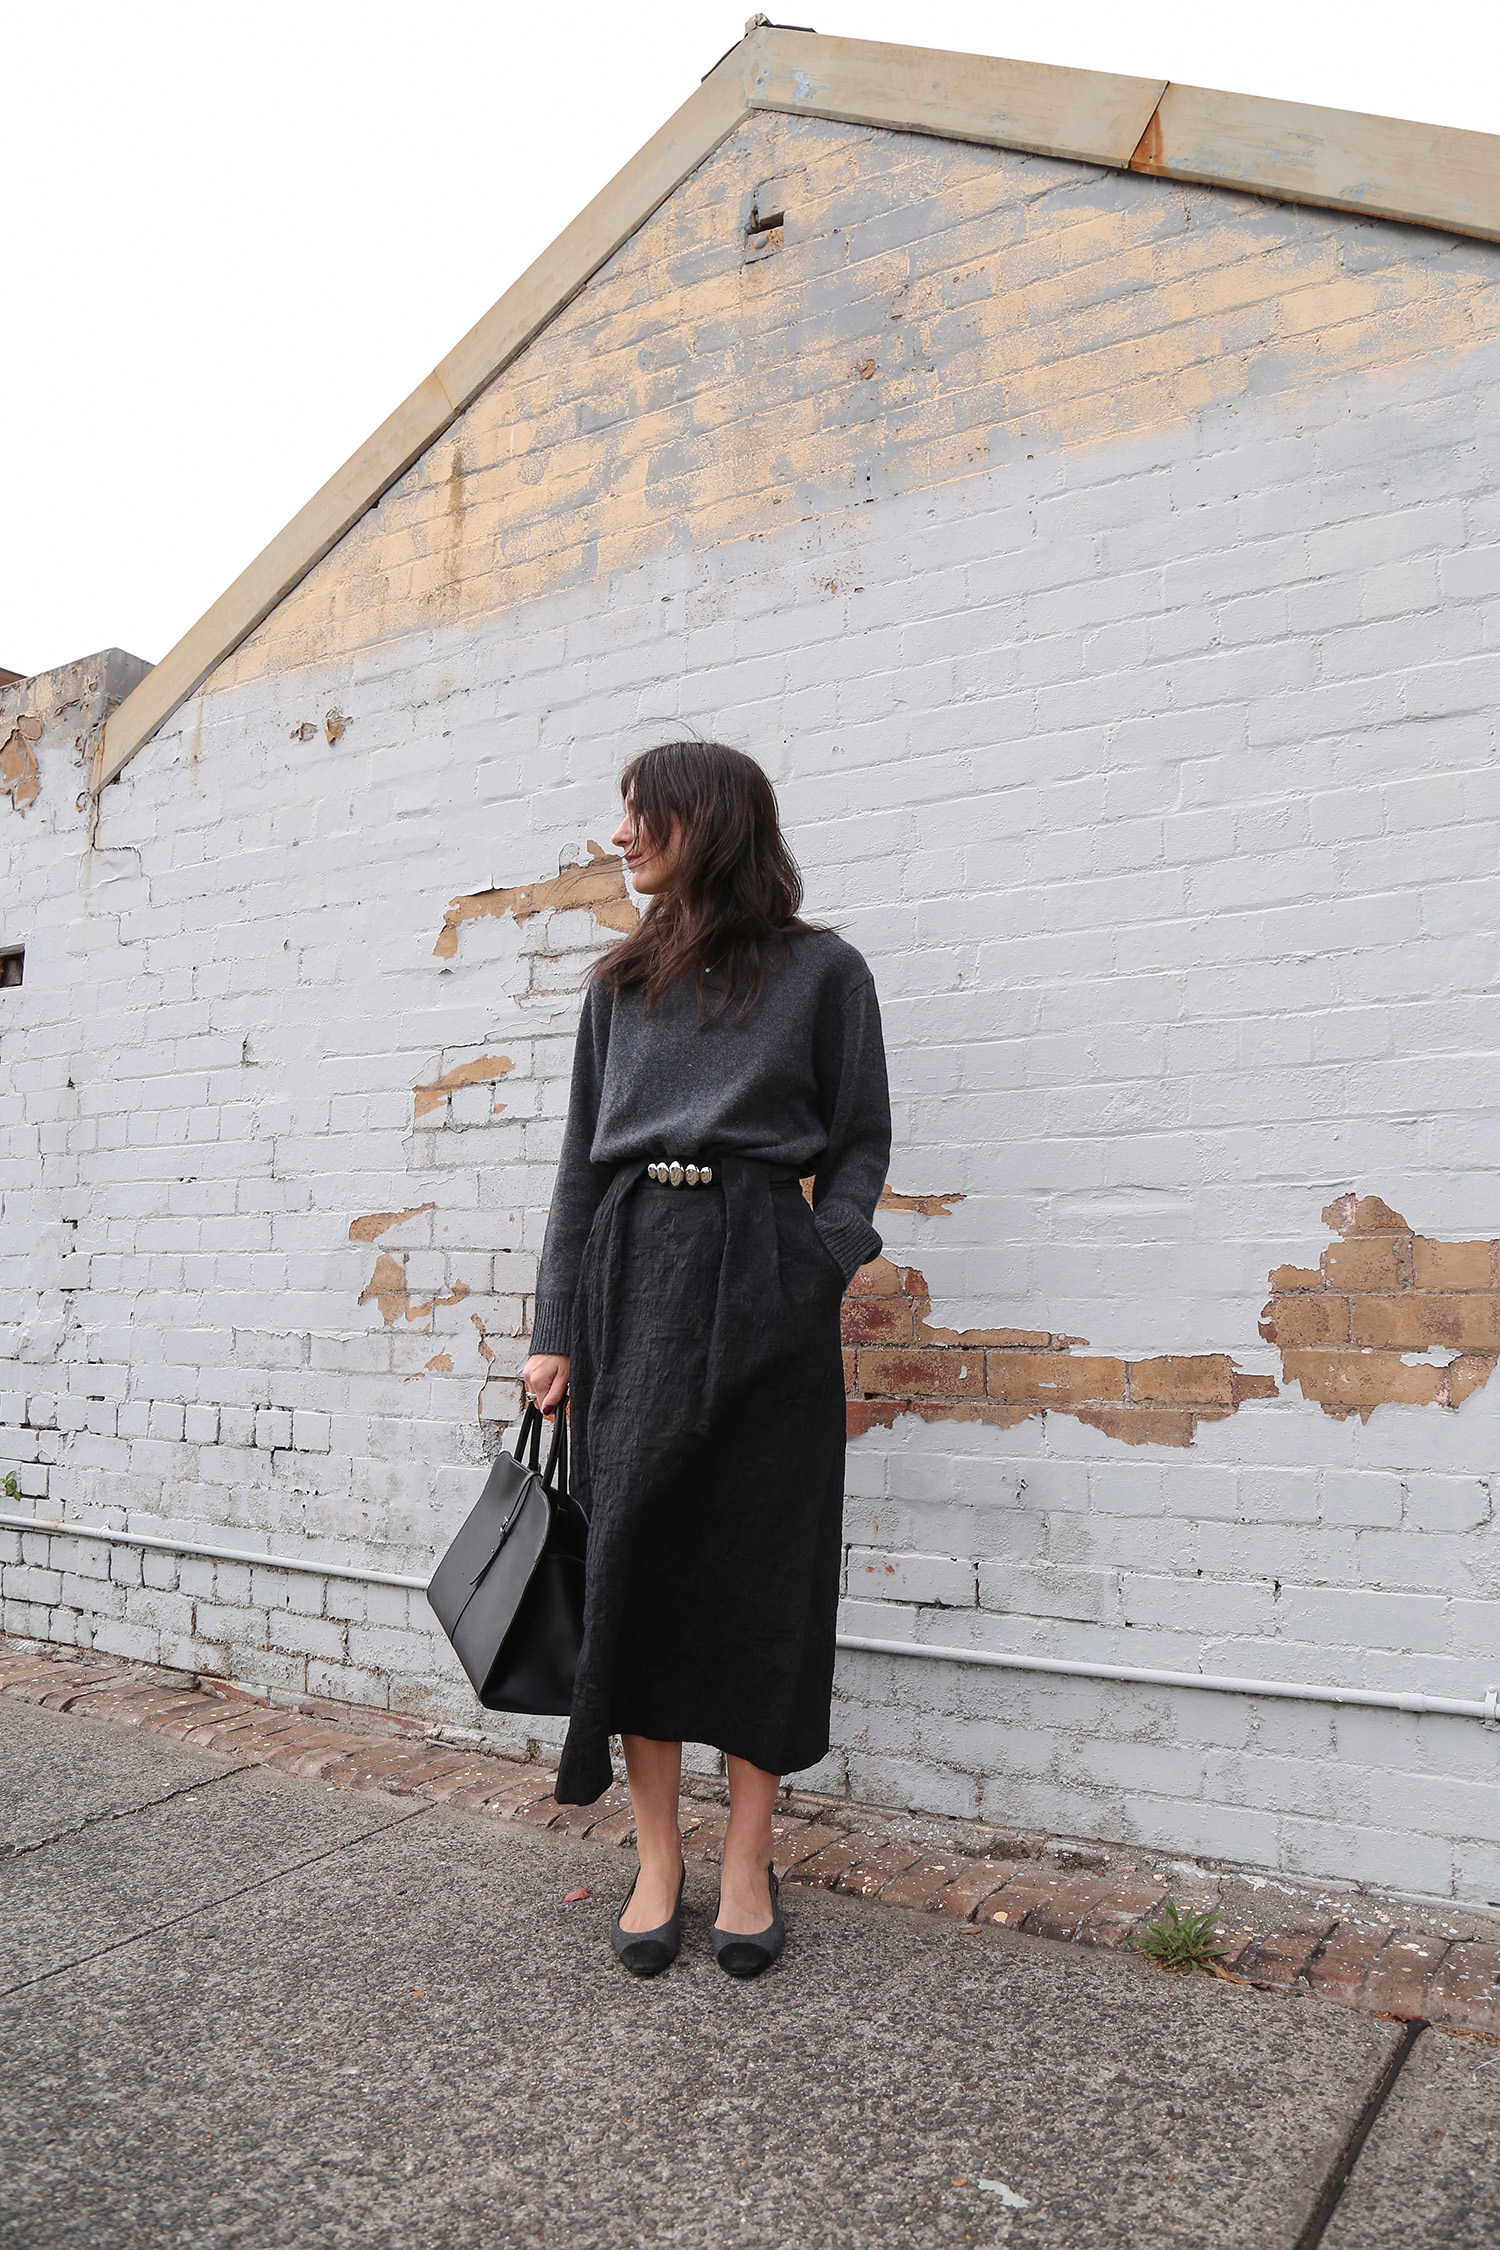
point(1130, 1675)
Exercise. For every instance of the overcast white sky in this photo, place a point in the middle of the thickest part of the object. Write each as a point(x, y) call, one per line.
point(236, 236)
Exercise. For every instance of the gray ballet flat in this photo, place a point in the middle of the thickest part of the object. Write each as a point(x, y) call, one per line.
point(645, 1953)
point(741, 1956)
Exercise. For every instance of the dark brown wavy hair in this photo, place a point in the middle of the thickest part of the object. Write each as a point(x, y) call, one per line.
point(736, 890)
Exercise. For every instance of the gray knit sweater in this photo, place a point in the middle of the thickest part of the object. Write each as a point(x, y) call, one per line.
point(800, 1085)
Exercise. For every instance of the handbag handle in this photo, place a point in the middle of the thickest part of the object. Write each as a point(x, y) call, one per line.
point(555, 1475)
point(529, 1441)
point(529, 1435)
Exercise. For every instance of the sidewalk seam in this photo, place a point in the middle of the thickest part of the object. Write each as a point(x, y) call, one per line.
point(206, 1906)
point(118, 1812)
point(1319, 2218)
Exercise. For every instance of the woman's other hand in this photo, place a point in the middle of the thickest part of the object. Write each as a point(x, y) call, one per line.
point(545, 1378)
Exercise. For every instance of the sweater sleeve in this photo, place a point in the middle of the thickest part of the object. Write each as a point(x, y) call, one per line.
point(857, 1114)
point(579, 1187)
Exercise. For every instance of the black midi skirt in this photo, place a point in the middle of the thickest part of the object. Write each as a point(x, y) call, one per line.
point(708, 1432)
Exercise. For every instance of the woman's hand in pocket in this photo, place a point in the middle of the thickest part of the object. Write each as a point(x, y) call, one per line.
point(545, 1378)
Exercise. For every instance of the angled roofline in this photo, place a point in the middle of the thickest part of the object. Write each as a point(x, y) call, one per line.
point(1380, 167)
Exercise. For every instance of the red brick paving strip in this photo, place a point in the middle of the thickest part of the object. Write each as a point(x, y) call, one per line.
point(792, 1846)
point(1027, 1891)
point(583, 1820)
point(1466, 1990)
point(1371, 1964)
point(824, 1868)
point(1120, 1911)
point(1282, 1956)
point(968, 1891)
point(1394, 1986)
point(615, 1828)
point(1059, 1915)
point(919, 1884)
point(870, 1878)
point(705, 1839)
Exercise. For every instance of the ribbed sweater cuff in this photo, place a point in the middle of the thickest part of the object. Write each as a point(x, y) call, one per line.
point(850, 1240)
point(552, 1328)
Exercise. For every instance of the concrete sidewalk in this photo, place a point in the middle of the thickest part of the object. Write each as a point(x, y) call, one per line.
point(240, 2006)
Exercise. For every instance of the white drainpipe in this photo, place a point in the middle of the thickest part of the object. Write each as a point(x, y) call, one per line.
point(1131, 1675)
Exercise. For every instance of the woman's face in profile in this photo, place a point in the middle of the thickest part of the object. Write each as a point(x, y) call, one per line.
point(649, 864)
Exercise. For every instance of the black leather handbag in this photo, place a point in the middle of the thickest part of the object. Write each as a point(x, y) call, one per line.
point(509, 1591)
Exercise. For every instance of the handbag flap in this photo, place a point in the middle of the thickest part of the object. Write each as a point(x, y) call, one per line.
point(511, 1513)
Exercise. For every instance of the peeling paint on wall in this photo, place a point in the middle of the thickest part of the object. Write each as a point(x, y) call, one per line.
point(1387, 1317)
point(1354, 1331)
point(20, 775)
point(387, 1290)
point(923, 1206)
point(896, 1363)
point(597, 885)
point(376, 1223)
point(487, 1070)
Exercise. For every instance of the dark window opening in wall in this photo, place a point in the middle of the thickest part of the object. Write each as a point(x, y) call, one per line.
point(12, 964)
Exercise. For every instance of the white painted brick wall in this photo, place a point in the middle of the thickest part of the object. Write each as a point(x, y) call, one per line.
point(1139, 729)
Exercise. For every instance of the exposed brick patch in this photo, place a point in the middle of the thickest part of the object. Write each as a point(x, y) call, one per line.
point(897, 1362)
point(541, 1812)
point(598, 885)
point(387, 1290)
point(923, 1206)
point(1372, 1963)
point(20, 774)
point(587, 1820)
point(1345, 1328)
point(485, 1070)
point(376, 1223)
point(521, 1787)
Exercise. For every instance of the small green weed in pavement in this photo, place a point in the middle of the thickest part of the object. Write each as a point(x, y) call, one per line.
point(9, 1486)
point(1180, 1942)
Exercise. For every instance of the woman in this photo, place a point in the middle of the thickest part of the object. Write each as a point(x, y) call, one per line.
point(688, 1301)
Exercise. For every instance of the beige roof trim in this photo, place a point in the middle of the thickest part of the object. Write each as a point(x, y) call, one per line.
point(1084, 114)
point(1427, 175)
